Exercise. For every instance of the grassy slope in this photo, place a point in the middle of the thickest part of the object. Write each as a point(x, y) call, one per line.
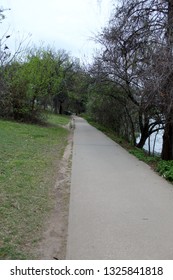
point(29, 157)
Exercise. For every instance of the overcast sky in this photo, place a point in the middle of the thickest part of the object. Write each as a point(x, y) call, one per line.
point(64, 24)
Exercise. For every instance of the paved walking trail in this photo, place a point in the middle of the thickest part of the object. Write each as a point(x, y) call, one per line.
point(119, 208)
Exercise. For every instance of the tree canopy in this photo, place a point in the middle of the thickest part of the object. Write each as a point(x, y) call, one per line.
point(136, 61)
point(128, 86)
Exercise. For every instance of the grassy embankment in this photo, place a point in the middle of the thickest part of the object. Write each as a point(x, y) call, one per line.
point(29, 158)
point(164, 168)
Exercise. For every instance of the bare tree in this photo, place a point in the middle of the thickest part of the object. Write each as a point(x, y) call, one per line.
point(128, 45)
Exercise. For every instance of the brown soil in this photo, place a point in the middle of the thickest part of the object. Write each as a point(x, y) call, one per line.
point(53, 241)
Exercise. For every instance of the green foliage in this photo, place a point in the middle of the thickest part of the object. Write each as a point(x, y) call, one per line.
point(78, 94)
point(42, 80)
point(143, 156)
point(108, 105)
point(165, 168)
point(29, 157)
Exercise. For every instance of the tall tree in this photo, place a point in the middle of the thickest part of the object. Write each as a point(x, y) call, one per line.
point(136, 56)
point(167, 150)
point(4, 59)
point(128, 44)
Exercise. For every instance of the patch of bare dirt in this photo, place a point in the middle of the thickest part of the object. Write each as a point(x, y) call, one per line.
point(53, 241)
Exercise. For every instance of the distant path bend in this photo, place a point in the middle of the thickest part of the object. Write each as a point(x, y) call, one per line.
point(119, 208)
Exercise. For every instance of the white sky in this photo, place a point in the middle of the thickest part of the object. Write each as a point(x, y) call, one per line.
point(63, 24)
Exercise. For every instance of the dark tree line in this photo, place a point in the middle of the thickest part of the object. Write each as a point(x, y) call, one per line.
point(133, 73)
point(37, 79)
point(41, 80)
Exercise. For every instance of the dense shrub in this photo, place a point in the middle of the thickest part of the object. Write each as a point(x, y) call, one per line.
point(165, 168)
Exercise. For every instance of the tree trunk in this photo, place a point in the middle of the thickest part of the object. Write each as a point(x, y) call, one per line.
point(143, 139)
point(154, 144)
point(132, 127)
point(170, 24)
point(144, 133)
point(167, 149)
point(33, 103)
point(60, 108)
point(55, 104)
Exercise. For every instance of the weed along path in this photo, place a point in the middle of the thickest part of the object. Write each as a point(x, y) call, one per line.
point(119, 208)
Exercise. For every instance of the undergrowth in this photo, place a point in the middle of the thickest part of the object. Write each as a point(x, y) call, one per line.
point(165, 168)
point(143, 156)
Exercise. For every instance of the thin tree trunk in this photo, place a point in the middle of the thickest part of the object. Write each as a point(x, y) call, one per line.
point(154, 144)
point(60, 108)
point(167, 149)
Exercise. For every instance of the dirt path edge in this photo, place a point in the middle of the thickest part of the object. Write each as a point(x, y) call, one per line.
point(54, 238)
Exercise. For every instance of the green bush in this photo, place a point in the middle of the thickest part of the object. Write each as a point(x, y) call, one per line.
point(165, 168)
point(143, 156)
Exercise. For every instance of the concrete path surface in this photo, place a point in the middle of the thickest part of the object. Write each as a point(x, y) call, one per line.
point(119, 208)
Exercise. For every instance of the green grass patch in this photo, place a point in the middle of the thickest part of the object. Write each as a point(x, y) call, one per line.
point(29, 158)
point(165, 168)
point(143, 156)
point(57, 119)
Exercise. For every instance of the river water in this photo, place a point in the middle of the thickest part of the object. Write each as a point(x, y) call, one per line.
point(156, 137)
